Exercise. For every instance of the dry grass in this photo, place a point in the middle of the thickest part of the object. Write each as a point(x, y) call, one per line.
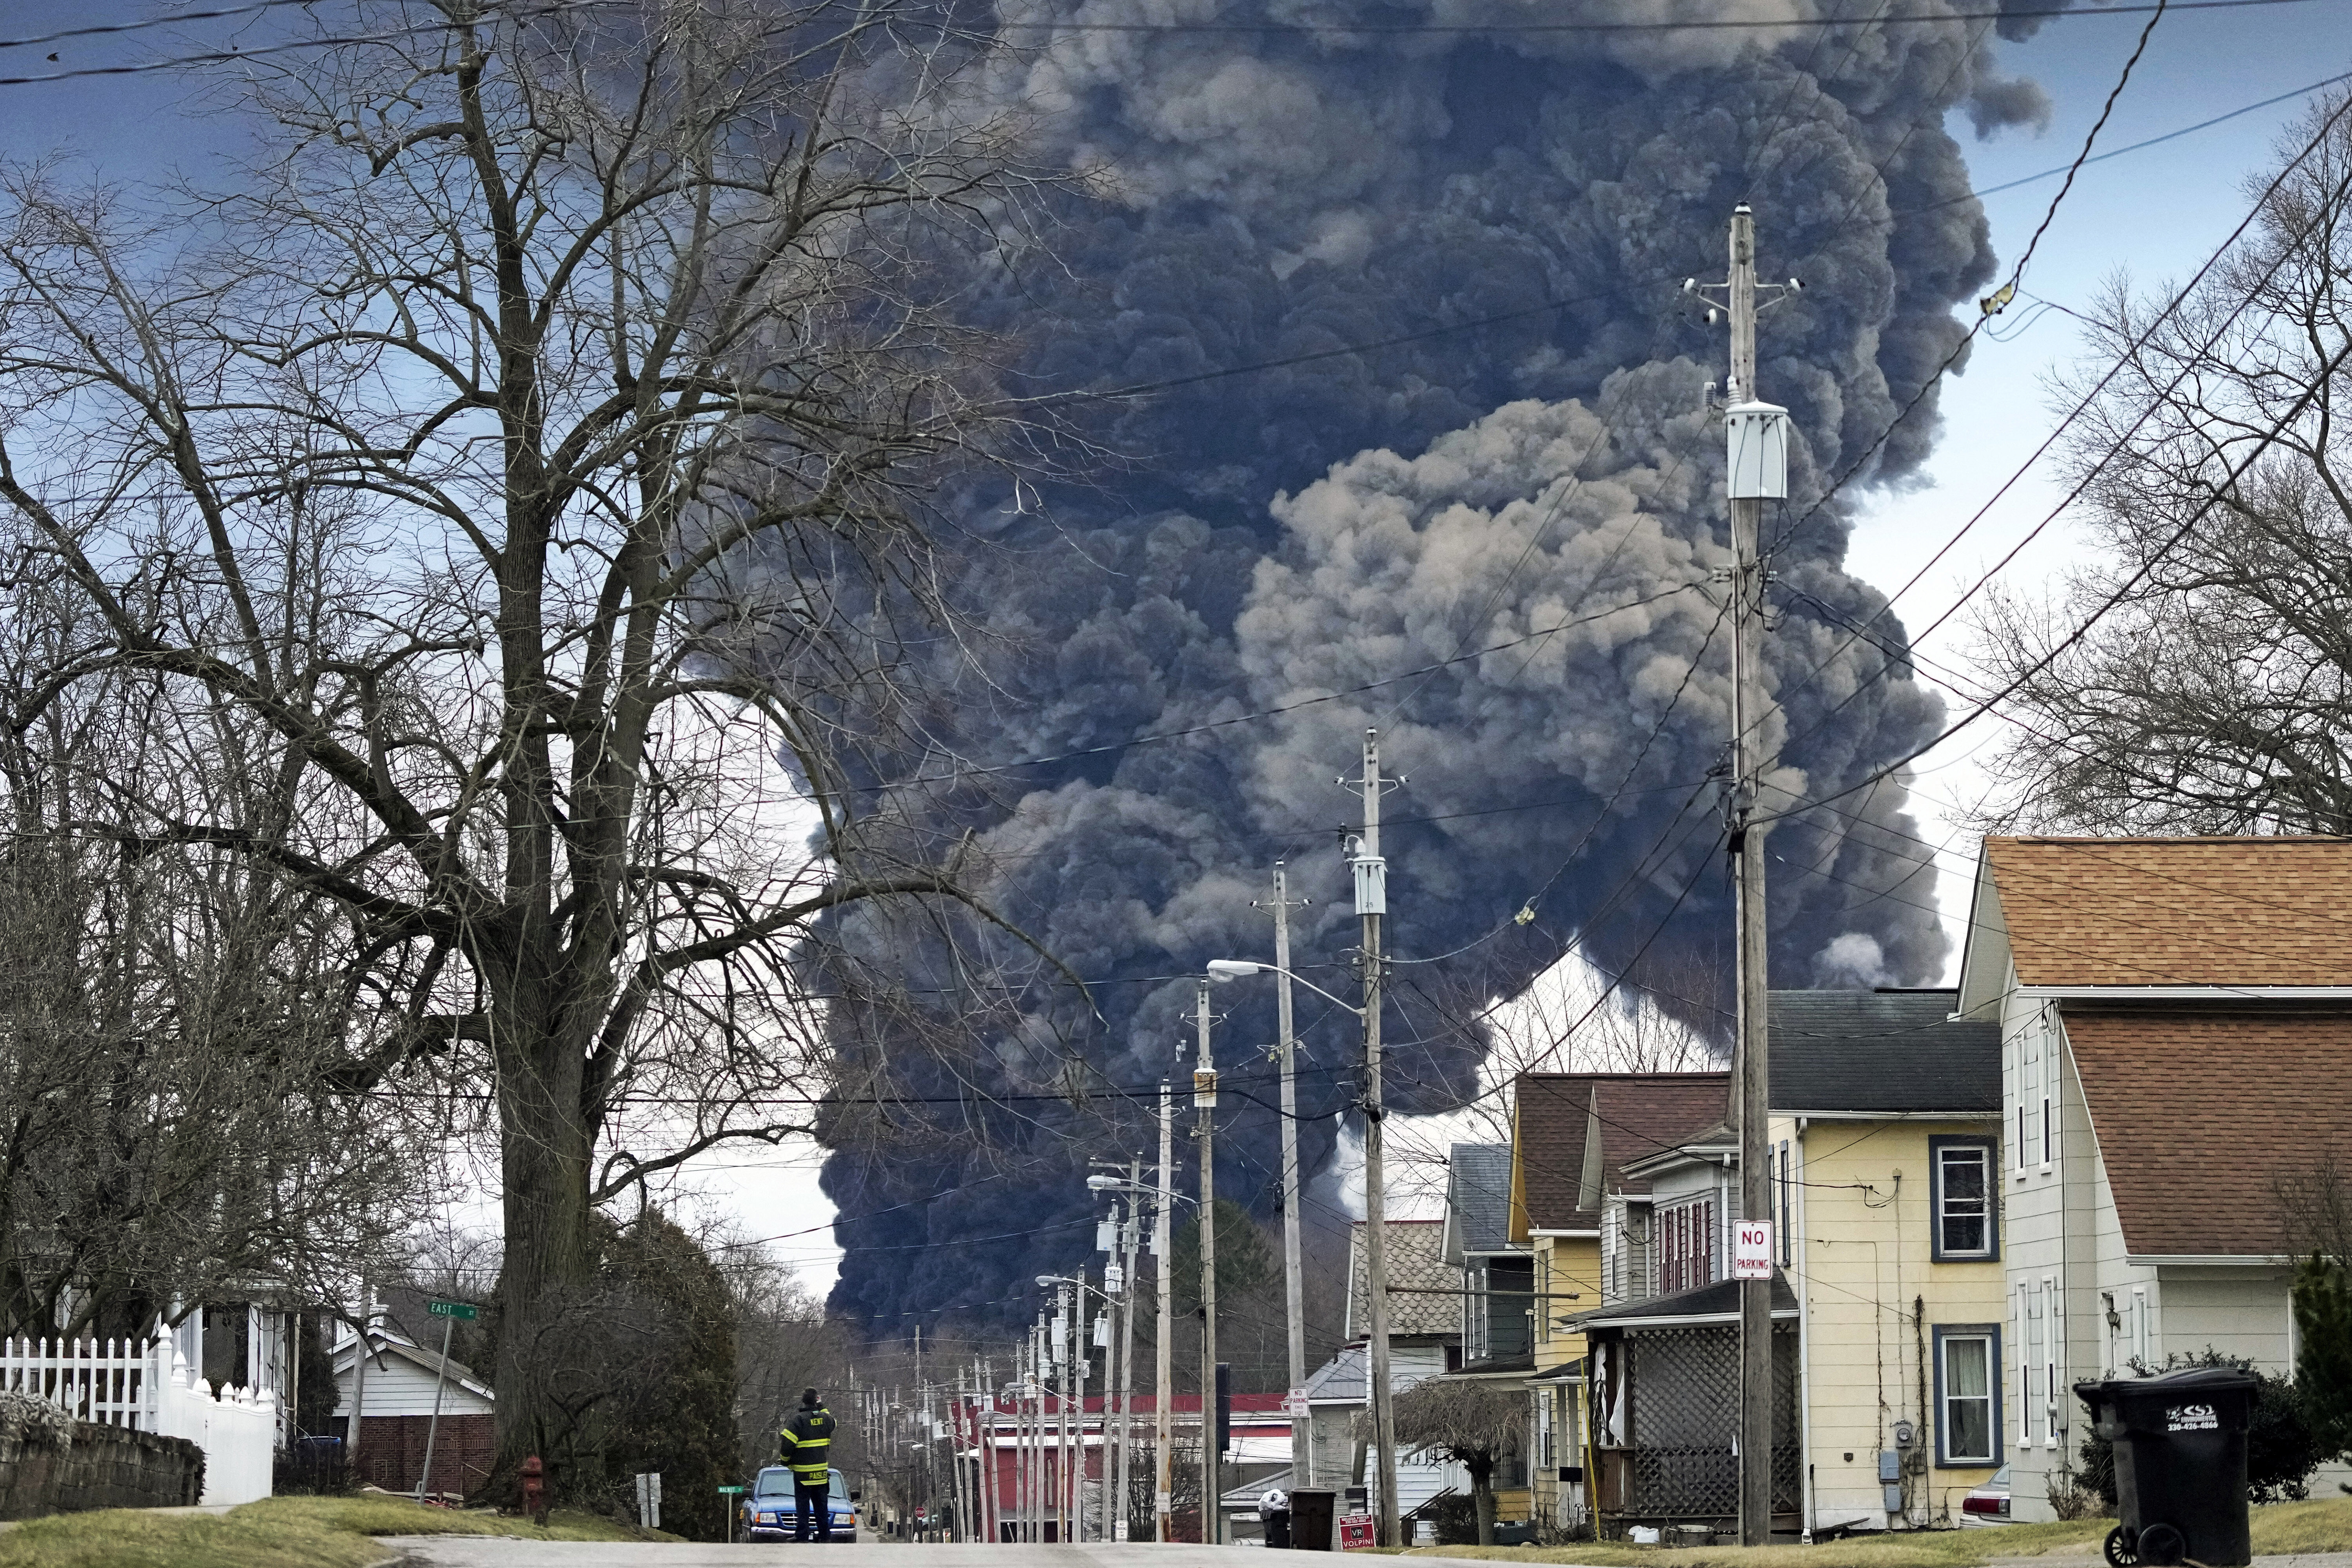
point(281, 1532)
point(2323, 1524)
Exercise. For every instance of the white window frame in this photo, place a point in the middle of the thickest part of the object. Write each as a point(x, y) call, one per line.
point(2053, 1352)
point(2049, 1083)
point(1988, 1335)
point(1990, 1197)
point(2028, 1066)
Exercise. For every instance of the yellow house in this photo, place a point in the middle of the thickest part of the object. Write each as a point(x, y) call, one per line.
point(1886, 1130)
point(1572, 1135)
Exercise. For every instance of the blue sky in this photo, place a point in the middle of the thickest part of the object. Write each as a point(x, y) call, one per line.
point(2156, 215)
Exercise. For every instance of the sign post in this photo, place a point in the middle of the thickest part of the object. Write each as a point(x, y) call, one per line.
point(450, 1313)
point(723, 1491)
point(1751, 1249)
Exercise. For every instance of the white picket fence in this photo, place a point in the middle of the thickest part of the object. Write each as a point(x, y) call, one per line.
point(149, 1386)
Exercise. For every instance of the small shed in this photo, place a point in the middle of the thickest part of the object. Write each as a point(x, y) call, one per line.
point(1664, 1408)
point(399, 1393)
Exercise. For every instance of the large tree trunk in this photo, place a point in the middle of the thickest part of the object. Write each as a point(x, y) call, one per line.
point(545, 1148)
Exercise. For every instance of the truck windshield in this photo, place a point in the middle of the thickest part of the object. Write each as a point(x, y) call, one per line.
point(774, 1483)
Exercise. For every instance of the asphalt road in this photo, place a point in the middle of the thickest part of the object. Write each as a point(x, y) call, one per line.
point(490, 1551)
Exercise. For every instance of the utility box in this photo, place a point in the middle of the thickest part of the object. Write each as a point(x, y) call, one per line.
point(1756, 446)
point(1371, 884)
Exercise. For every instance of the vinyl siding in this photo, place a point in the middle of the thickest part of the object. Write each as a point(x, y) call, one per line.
point(1861, 1265)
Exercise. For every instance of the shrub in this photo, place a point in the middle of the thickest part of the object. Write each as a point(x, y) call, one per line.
point(2281, 1452)
point(34, 1421)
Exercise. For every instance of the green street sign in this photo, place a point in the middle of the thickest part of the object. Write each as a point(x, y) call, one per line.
point(464, 1311)
point(730, 1492)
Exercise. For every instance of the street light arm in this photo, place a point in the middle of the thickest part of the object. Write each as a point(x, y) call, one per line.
point(1223, 969)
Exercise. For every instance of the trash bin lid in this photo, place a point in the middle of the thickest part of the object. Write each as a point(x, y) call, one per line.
point(2172, 1386)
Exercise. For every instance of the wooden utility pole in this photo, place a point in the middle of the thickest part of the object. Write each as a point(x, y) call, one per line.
point(1751, 483)
point(1294, 1296)
point(1164, 1387)
point(1371, 904)
point(1204, 1101)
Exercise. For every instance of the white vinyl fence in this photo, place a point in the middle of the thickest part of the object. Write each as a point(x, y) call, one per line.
point(149, 1387)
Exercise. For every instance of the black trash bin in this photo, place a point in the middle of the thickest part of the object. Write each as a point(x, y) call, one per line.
point(2181, 1465)
point(1311, 1515)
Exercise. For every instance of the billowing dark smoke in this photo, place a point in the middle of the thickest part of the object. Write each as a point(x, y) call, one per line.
point(1294, 532)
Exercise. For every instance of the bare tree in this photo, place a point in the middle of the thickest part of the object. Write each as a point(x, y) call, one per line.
point(2215, 696)
point(169, 1014)
point(1472, 1422)
point(527, 465)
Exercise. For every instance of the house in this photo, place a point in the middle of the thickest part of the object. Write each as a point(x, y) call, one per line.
point(1498, 1303)
point(2174, 1018)
point(1572, 1135)
point(402, 1382)
point(1884, 1122)
point(1884, 1132)
point(1424, 1341)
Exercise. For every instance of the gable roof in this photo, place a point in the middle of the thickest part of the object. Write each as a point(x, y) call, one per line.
point(1477, 1201)
point(383, 1343)
point(2199, 1114)
point(1426, 1292)
point(2237, 911)
point(1560, 1172)
point(1891, 1051)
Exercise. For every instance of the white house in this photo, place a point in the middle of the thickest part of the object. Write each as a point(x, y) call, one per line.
point(394, 1402)
point(2175, 1019)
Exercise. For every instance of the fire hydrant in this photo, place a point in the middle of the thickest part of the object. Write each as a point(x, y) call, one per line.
point(534, 1489)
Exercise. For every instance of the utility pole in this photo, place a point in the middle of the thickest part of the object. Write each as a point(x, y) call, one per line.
point(1204, 1101)
point(1128, 1236)
point(1163, 1496)
point(1064, 1354)
point(1372, 903)
point(1757, 433)
point(1294, 1294)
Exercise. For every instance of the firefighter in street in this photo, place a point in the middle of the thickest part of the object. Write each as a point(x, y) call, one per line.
point(805, 1446)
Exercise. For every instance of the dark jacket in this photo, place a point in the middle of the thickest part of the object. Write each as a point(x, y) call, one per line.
point(805, 1445)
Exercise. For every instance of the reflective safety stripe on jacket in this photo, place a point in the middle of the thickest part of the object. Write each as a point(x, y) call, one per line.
point(805, 1445)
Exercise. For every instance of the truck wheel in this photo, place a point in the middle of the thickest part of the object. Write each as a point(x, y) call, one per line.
point(2119, 1550)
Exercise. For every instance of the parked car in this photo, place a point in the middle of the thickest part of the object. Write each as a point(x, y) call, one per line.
point(1988, 1504)
point(771, 1507)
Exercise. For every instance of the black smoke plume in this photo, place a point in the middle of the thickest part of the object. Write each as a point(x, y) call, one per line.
point(1296, 531)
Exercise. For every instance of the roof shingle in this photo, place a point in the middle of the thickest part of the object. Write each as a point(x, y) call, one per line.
point(2176, 911)
point(1882, 1050)
point(1636, 1114)
point(1425, 1292)
point(2199, 1114)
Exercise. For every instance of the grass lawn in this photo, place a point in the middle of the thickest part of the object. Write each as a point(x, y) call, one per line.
point(2323, 1524)
point(279, 1533)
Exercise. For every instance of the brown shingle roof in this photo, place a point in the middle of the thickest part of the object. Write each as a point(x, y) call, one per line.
point(2177, 912)
point(2199, 1114)
point(1637, 1114)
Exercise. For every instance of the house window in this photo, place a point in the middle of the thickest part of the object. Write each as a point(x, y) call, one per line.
point(2029, 1074)
point(2029, 1364)
point(1967, 1218)
point(1968, 1394)
point(1686, 1246)
point(2054, 1358)
point(2048, 1086)
point(1787, 1231)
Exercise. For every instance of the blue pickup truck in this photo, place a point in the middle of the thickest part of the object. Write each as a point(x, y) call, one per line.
point(768, 1507)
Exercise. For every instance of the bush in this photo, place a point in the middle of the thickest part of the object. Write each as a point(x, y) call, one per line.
point(1457, 1516)
point(34, 1421)
point(2281, 1452)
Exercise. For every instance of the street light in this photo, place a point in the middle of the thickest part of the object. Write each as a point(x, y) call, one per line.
point(1223, 969)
